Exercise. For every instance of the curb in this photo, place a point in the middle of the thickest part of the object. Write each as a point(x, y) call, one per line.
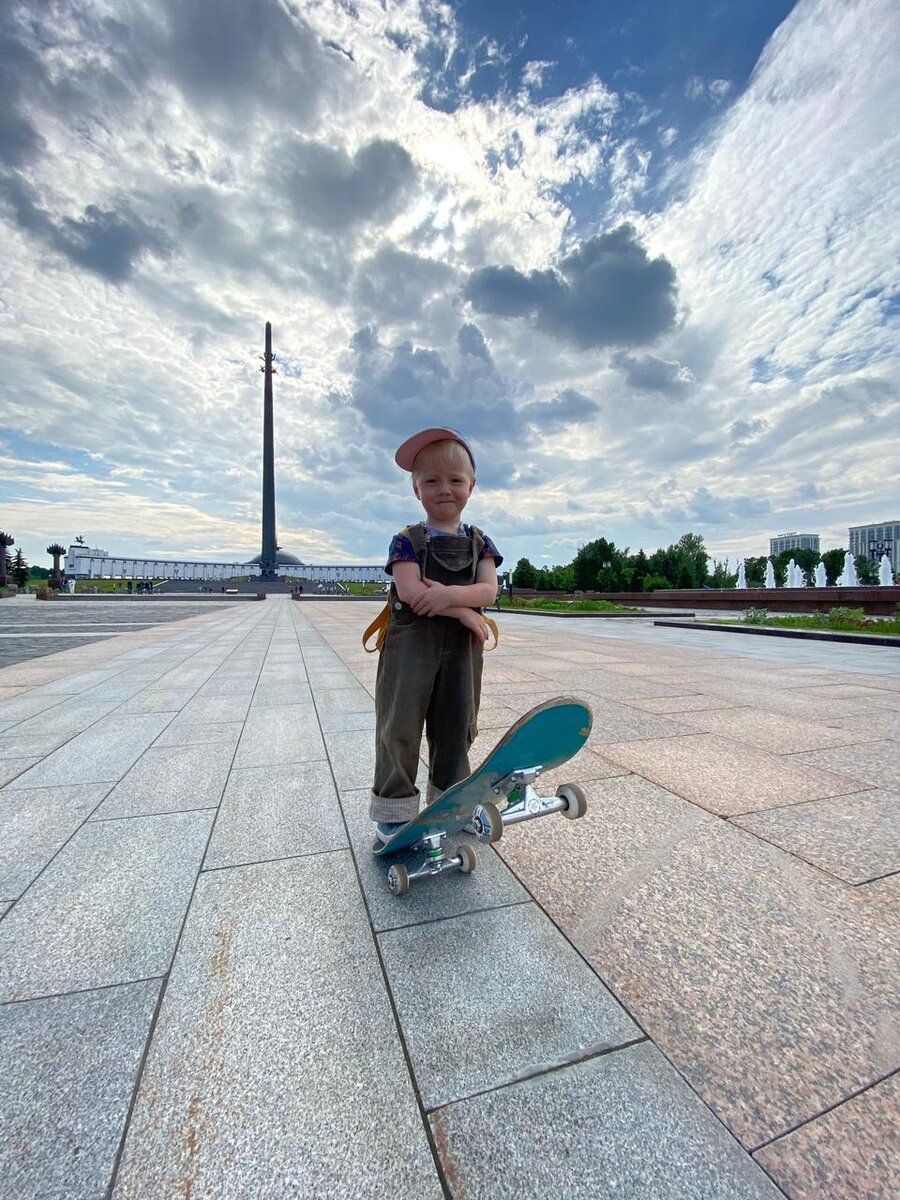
point(815, 635)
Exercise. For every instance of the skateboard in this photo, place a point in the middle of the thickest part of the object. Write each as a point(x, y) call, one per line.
point(548, 735)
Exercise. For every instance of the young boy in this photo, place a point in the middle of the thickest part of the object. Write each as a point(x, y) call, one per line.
point(429, 670)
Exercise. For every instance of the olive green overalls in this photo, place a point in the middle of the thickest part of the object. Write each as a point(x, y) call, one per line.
point(429, 674)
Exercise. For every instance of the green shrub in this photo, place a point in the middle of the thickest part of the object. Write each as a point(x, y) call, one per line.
point(854, 617)
point(656, 583)
point(756, 616)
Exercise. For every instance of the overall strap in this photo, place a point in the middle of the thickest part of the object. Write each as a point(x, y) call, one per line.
point(419, 541)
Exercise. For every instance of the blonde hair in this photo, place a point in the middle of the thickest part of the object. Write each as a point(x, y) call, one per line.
point(448, 453)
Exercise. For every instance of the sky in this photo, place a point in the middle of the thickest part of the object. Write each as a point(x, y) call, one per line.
point(643, 255)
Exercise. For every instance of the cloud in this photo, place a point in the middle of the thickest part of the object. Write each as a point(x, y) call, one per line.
point(21, 77)
point(651, 374)
point(745, 430)
point(395, 284)
point(401, 387)
point(108, 243)
point(568, 407)
point(715, 90)
point(244, 57)
point(334, 191)
point(608, 292)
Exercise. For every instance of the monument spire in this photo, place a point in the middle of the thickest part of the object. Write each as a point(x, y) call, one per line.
point(267, 559)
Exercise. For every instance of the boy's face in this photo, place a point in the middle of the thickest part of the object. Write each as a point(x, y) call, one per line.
point(444, 492)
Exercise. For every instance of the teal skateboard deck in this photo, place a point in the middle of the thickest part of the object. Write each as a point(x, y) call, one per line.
point(544, 738)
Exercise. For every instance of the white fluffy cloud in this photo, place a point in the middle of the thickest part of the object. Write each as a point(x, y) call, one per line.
point(164, 191)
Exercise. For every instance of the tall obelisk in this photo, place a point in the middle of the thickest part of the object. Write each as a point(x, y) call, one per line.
point(267, 559)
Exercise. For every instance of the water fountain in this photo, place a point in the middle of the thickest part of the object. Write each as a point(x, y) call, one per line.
point(742, 575)
point(770, 574)
point(885, 574)
point(791, 580)
point(848, 577)
point(821, 578)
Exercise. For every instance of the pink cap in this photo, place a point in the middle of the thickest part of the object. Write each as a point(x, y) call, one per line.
point(406, 455)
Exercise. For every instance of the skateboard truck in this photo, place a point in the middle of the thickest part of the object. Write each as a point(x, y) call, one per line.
point(527, 804)
point(487, 827)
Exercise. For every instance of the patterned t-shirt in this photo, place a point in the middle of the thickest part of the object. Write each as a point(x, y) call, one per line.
point(402, 548)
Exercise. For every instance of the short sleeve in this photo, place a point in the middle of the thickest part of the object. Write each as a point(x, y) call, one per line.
point(401, 551)
point(490, 551)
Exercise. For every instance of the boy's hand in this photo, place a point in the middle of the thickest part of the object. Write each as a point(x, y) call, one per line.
point(433, 601)
point(472, 619)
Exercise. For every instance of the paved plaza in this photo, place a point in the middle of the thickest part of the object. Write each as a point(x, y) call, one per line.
point(207, 990)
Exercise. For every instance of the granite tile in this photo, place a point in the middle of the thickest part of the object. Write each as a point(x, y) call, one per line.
point(186, 733)
point(677, 704)
point(621, 1125)
point(170, 779)
point(581, 871)
point(261, 818)
point(352, 755)
point(876, 693)
point(280, 735)
point(106, 910)
point(728, 777)
point(342, 722)
point(778, 732)
point(56, 725)
point(20, 708)
point(847, 1154)
point(12, 768)
point(876, 764)
point(207, 710)
point(34, 823)
point(490, 885)
point(277, 980)
point(105, 752)
point(344, 700)
point(268, 695)
point(242, 684)
point(882, 892)
point(880, 723)
point(157, 699)
point(330, 678)
point(769, 986)
point(856, 838)
point(68, 1065)
point(491, 997)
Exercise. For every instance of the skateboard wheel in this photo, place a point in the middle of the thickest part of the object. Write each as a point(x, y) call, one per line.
point(468, 858)
point(576, 801)
point(488, 823)
point(398, 880)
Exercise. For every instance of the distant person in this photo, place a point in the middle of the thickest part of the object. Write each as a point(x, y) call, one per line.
point(130, 587)
point(429, 670)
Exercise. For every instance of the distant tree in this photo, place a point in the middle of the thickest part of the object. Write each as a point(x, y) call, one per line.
point(6, 540)
point(656, 583)
point(691, 550)
point(685, 577)
point(866, 569)
point(524, 574)
point(563, 578)
point(720, 576)
point(600, 567)
point(806, 560)
point(639, 571)
point(20, 569)
point(755, 571)
point(834, 565)
point(57, 551)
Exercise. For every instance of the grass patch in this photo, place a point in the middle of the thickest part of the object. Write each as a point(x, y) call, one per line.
point(837, 620)
point(574, 605)
point(365, 589)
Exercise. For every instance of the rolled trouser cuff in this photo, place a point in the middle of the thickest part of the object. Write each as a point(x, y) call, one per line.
point(393, 808)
